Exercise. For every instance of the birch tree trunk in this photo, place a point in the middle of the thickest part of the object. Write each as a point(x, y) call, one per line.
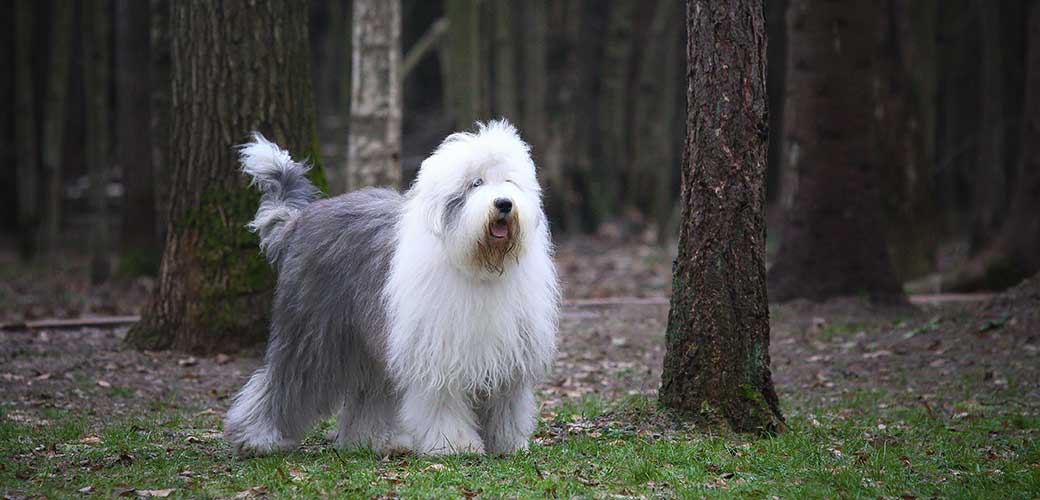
point(238, 65)
point(374, 149)
point(716, 367)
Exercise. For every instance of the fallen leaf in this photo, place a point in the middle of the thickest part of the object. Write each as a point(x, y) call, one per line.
point(90, 440)
point(437, 467)
point(297, 474)
point(222, 359)
point(254, 492)
point(155, 493)
point(103, 384)
point(86, 490)
point(188, 361)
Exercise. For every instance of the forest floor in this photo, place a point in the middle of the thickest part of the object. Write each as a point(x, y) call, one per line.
point(941, 399)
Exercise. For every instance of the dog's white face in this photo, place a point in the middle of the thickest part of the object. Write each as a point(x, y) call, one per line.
point(481, 198)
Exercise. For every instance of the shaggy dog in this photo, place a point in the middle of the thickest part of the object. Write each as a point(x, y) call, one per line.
point(424, 319)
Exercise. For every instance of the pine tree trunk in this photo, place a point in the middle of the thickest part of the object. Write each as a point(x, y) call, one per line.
point(54, 112)
point(159, 110)
point(26, 137)
point(505, 62)
point(614, 120)
point(832, 242)
point(534, 89)
point(133, 138)
point(716, 367)
point(1015, 252)
point(777, 30)
point(462, 78)
point(96, 79)
point(238, 65)
point(912, 229)
point(374, 146)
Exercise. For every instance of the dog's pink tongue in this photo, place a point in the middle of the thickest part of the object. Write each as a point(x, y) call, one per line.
point(499, 230)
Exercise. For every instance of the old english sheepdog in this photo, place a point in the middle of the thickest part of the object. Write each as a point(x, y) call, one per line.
point(425, 319)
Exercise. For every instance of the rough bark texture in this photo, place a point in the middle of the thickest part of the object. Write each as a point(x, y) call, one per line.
point(96, 80)
point(26, 137)
point(139, 238)
point(716, 365)
point(374, 146)
point(238, 65)
point(832, 242)
point(55, 104)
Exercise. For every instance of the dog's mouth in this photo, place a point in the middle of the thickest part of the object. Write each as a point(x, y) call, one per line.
point(499, 230)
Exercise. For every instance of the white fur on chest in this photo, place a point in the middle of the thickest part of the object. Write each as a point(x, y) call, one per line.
point(450, 331)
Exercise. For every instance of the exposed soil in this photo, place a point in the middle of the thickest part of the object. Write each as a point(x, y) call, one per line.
point(940, 356)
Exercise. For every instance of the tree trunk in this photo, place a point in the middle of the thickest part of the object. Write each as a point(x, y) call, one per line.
point(505, 62)
point(535, 48)
point(777, 31)
point(55, 105)
point(238, 65)
point(614, 120)
point(912, 230)
point(716, 366)
point(159, 110)
point(96, 79)
point(832, 242)
point(139, 242)
point(1015, 252)
point(462, 78)
point(26, 136)
point(374, 146)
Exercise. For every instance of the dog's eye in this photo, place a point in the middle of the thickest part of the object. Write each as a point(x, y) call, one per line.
point(477, 182)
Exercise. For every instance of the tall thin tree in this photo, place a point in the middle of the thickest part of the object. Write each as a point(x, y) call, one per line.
point(716, 366)
point(54, 112)
point(238, 65)
point(832, 242)
point(26, 137)
point(97, 82)
point(374, 145)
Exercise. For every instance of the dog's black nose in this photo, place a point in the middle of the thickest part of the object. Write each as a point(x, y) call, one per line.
point(504, 205)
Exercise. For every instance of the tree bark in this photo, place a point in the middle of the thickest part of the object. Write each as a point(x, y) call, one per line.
point(238, 65)
point(374, 149)
point(505, 62)
point(716, 367)
point(901, 100)
point(159, 110)
point(139, 238)
point(1015, 252)
point(55, 105)
point(615, 122)
point(463, 75)
point(832, 242)
point(535, 77)
point(777, 30)
point(96, 79)
point(27, 150)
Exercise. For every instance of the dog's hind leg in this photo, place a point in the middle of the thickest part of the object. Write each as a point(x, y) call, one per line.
point(251, 426)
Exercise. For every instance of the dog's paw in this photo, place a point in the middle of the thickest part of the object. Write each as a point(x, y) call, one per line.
point(460, 442)
point(257, 444)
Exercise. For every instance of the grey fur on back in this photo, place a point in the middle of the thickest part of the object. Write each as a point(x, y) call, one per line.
point(328, 319)
point(328, 324)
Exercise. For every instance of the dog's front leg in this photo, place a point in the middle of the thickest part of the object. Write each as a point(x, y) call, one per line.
point(508, 419)
point(440, 423)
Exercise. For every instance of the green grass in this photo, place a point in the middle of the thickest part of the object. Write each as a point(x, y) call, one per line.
point(857, 448)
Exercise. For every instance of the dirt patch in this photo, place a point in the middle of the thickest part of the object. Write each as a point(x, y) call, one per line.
point(942, 356)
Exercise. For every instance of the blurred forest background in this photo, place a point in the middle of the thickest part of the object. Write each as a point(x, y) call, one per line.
point(938, 100)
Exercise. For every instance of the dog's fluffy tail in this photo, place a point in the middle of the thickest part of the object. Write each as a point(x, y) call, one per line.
point(284, 187)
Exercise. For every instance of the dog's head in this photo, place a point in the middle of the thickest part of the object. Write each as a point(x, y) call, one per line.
point(480, 196)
